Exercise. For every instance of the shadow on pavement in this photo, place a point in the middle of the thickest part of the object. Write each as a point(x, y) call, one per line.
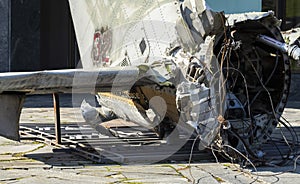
point(59, 158)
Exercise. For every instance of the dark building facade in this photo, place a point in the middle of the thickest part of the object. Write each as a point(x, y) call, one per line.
point(4, 35)
point(36, 35)
point(286, 10)
point(25, 35)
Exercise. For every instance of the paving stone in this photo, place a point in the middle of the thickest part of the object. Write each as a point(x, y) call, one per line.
point(283, 174)
point(228, 172)
point(4, 141)
point(9, 157)
point(150, 169)
point(195, 174)
point(51, 176)
point(44, 149)
point(18, 148)
point(162, 180)
point(96, 173)
point(293, 115)
point(23, 165)
point(58, 159)
point(148, 173)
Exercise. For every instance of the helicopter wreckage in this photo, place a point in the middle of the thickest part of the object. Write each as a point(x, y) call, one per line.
point(223, 79)
point(171, 67)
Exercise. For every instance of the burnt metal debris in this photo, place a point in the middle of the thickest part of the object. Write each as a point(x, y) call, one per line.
point(223, 79)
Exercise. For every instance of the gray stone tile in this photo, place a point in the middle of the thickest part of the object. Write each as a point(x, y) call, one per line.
point(228, 172)
point(149, 169)
point(19, 148)
point(51, 176)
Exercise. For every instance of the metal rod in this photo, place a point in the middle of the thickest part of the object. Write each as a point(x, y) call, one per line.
point(292, 50)
point(57, 117)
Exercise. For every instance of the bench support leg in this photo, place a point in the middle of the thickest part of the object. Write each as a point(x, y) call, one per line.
point(57, 117)
point(10, 111)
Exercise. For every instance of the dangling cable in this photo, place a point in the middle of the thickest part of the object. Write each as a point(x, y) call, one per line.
point(190, 158)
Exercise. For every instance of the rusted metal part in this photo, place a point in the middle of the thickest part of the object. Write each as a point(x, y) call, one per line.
point(103, 149)
point(57, 122)
point(50, 139)
point(88, 143)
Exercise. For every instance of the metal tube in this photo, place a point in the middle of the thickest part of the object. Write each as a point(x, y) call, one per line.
point(273, 43)
point(292, 50)
point(57, 117)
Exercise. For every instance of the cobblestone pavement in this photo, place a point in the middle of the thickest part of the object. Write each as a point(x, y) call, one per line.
point(33, 162)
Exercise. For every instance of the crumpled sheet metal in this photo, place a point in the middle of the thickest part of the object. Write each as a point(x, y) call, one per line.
point(161, 73)
point(171, 71)
point(199, 32)
point(193, 27)
point(291, 35)
point(200, 104)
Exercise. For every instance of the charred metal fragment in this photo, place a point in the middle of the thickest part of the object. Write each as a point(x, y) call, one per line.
point(223, 78)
